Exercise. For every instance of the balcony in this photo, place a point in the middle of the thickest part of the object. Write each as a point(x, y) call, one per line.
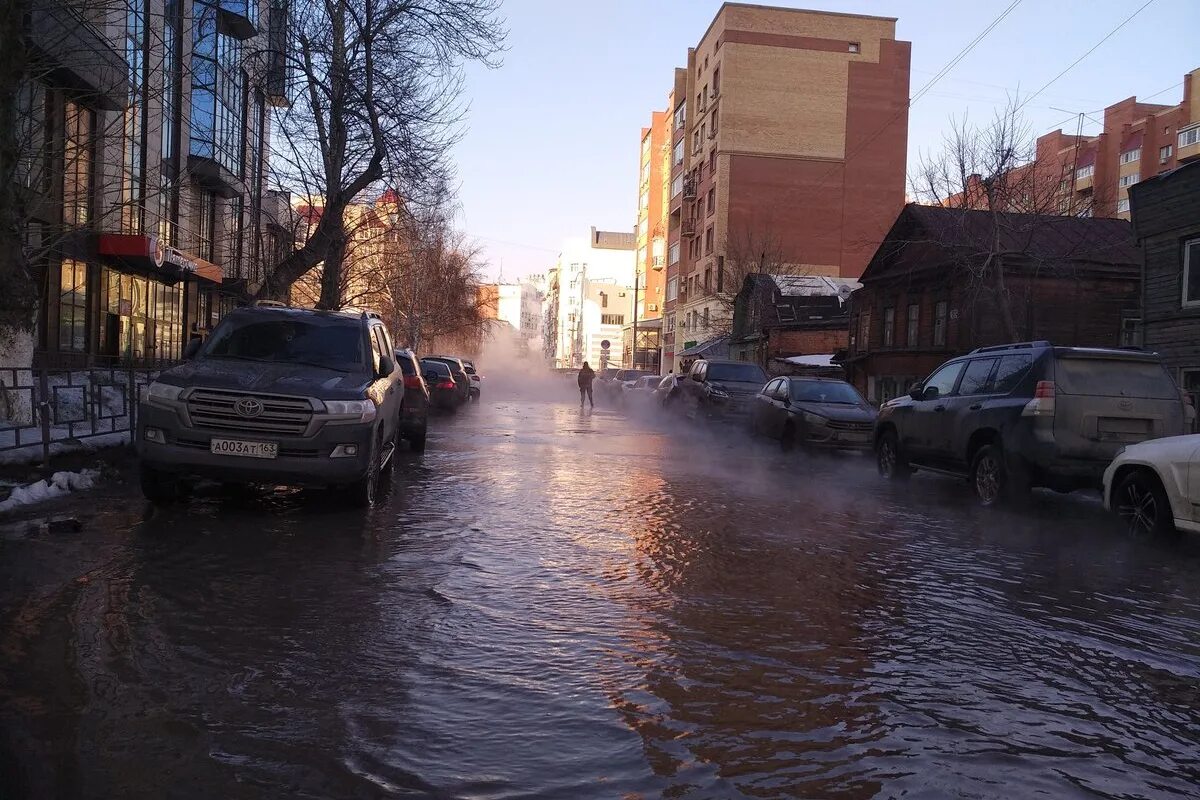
point(688, 227)
point(277, 77)
point(658, 263)
point(1189, 144)
point(77, 55)
point(689, 189)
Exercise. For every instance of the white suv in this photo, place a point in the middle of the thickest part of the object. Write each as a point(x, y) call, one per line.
point(1154, 486)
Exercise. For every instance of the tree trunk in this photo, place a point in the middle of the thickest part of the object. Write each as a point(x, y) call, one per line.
point(1004, 300)
point(331, 273)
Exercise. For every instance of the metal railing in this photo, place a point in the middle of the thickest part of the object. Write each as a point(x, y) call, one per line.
point(47, 405)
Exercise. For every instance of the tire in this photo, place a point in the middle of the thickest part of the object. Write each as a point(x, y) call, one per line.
point(989, 476)
point(160, 488)
point(363, 492)
point(1142, 505)
point(889, 460)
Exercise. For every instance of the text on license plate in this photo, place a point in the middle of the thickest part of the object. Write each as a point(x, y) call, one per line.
point(237, 447)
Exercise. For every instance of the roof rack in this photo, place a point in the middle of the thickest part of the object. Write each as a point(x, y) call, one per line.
point(270, 304)
point(1015, 346)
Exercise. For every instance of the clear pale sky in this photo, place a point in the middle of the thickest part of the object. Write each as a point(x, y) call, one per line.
point(551, 145)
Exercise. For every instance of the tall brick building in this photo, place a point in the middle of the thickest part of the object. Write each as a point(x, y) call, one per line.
point(787, 126)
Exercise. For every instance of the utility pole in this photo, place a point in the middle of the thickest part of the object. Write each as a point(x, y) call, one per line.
point(633, 349)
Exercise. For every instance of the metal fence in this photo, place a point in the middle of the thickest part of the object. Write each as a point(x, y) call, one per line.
point(45, 405)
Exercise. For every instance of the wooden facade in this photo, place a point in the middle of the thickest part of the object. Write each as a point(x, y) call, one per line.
point(1068, 280)
point(1166, 220)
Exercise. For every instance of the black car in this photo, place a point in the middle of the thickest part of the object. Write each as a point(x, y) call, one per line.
point(459, 372)
point(814, 412)
point(276, 396)
point(443, 391)
point(414, 410)
point(721, 388)
point(1015, 416)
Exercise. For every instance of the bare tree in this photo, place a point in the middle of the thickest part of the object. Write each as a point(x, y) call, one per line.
point(378, 100)
point(994, 170)
point(750, 249)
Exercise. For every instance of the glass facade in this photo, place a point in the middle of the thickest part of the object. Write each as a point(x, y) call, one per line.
point(217, 122)
point(206, 211)
point(77, 164)
point(72, 306)
point(133, 127)
point(168, 197)
point(142, 318)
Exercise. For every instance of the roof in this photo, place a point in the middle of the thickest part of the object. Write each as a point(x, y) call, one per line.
point(716, 347)
point(1038, 237)
point(823, 360)
point(813, 285)
point(614, 240)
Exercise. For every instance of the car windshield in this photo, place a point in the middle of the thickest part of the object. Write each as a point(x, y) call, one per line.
point(738, 373)
point(825, 392)
point(322, 343)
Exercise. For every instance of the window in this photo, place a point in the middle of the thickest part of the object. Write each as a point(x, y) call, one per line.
point(678, 153)
point(1191, 272)
point(1129, 180)
point(680, 116)
point(206, 213)
point(713, 119)
point(673, 253)
point(1164, 152)
point(1189, 381)
point(1131, 329)
point(218, 96)
point(712, 162)
point(712, 201)
point(942, 382)
point(703, 131)
point(677, 184)
point(853, 47)
point(644, 201)
point(706, 318)
point(1085, 172)
point(1010, 372)
point(1130, 156)
point(1123, 205)
point(696, 141)
point(913, 328)
point(708, 240)
point(889, 326)
point(975, 377)
point(708, 280)
point(717, 79)
point(940, 314)
point(612, 319)
point(864, 332)
point(704, 94)
point(72, 306)
point(77, 165)
point(133, 148)
point(673, 283)
point(1189, 137)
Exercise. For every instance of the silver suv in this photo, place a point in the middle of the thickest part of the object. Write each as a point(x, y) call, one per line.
point(1030, 414)
point(278, 396)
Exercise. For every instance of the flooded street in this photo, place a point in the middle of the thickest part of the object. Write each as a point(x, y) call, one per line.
point(557, 605)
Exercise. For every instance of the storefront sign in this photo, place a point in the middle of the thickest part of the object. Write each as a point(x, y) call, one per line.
point(179, 260)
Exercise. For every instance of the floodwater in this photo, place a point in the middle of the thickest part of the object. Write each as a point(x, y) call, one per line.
point(551, 604)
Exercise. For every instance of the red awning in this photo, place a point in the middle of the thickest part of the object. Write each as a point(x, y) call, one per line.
point(144, 254)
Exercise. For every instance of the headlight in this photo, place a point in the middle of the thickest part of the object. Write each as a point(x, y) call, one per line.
point(814, 419)
point(717, 391)
point(358, 410)
point(163, 393)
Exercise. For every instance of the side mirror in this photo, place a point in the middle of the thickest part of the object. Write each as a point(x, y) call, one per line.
point(193, 347)
point(931, 393)
point(696, 377)
point(386, 366)
point(917, 392)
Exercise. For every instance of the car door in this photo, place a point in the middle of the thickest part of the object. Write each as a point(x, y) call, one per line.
point(777, 409)
point(760, 413)
point(386, 385)
point(1193, 485)
point(919, 430)
point(962, 412)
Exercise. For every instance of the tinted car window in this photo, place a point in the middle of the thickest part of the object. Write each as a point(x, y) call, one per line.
point(825, 392)
point(943, 380)
point(975, 376)
point(1011, 371)
point(769, 389)
point(406, 364)
point(746, 373)
point(666, 382)
point(1114, 378)
point(296, 341)
point(436, 366)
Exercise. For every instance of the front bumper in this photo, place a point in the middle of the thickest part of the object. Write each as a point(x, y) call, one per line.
point(837, 439)
point(302, 461)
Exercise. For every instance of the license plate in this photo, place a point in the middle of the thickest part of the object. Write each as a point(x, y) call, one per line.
point(238, 447)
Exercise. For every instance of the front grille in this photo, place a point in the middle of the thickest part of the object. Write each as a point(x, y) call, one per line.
point(281, 416)
point(855, 427)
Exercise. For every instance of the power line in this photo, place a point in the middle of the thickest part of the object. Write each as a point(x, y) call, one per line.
point(1091, 50)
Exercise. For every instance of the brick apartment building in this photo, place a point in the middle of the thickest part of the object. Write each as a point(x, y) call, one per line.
point(653, 186)
point(790, 126)
point(144, 158)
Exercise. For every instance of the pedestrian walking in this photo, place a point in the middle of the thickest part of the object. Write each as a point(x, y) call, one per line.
point(586, 376)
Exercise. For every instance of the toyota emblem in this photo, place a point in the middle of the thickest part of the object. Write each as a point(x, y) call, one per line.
point(1125, 405)
point(248, 407)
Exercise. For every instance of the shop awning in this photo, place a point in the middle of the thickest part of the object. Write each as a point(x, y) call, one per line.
point(144, 254)
point(717, 347)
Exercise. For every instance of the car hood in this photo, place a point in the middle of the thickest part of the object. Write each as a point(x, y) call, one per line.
point(838, 411)
point(1168, 447)
point(737, 387)
point(268, 378)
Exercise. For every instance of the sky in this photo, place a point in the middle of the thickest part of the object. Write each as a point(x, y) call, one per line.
point(551, 141)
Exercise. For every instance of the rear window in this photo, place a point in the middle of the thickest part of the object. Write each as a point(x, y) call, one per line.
point(436, 366)
point(406, 365)
point(1114, 378)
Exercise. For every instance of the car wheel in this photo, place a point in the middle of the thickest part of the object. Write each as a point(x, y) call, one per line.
point(362, 493)
point(888, 458)
point(989, 476)
point(1142, 505)
point(160, 488)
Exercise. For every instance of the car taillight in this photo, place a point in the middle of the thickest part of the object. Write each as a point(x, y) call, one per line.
point(1042, 404)
point(413, 382)
point(445, 385)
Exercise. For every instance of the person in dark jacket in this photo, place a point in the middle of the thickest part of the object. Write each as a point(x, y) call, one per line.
point(586, 376)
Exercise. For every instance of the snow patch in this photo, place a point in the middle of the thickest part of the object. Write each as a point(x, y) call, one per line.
point(59, 484)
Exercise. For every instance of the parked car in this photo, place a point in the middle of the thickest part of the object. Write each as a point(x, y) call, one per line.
point(476, 380)
point(610, 381)
point(279, 396)
point(1031, 414)
point(1154, 486)
point(459, 372)
point(443, 391)
point(667, 390)
point(814, 412)
point(414, 410)
point(721, 388)
point(639, 391)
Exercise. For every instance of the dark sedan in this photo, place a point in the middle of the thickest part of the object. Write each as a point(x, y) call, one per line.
point(458, 371)
point(814, 412)
point(443, 392)
point(414, 409)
